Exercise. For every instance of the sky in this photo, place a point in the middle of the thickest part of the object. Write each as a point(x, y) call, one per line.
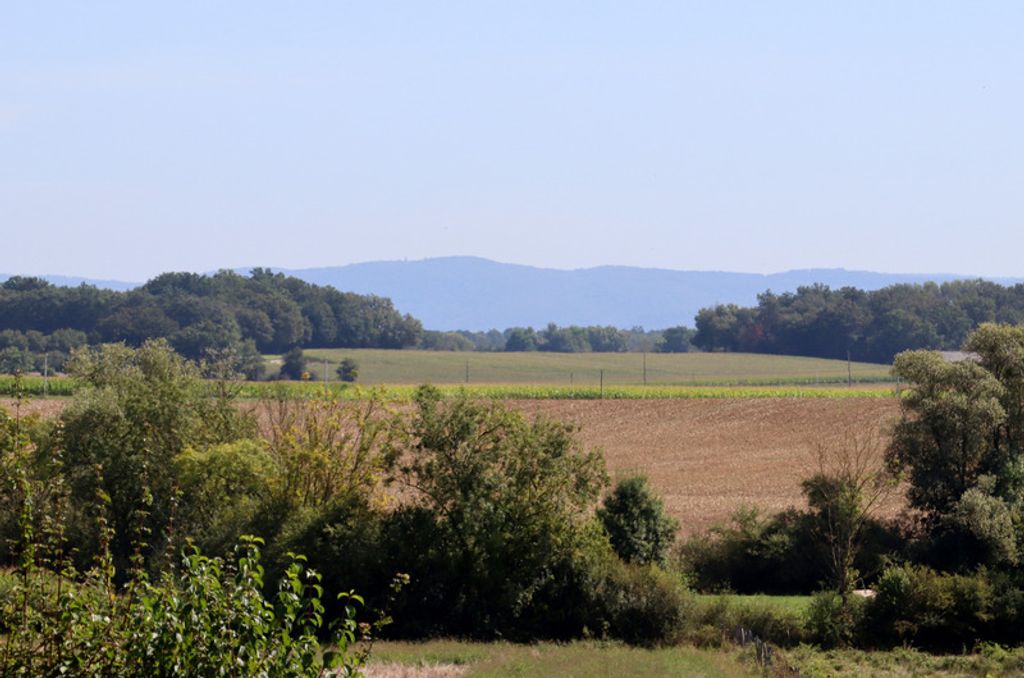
point(139, 137)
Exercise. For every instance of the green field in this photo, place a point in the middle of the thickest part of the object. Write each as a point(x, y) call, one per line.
point(377, 366)
point(444, 658)
point(449, 658)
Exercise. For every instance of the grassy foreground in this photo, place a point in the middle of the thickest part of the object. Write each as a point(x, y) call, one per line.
point(378, 366)
point(448, 658)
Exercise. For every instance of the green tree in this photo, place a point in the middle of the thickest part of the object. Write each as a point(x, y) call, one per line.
point(293, 364)
point(504, 505)
point(348, 370)
point(676, 340)
point(137, 410)
point(635, 520)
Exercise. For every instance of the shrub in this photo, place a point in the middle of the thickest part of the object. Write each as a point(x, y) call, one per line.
point(635, 520)
point(138, 411)
point(754, 554)
point(834, 620)
point(293, 364)
point(209, 617)
point(348, 370)
point(644, 604)
point(503, 508)
point(918, 606)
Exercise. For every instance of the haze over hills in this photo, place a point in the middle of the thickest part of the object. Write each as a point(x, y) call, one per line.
point(473, 293)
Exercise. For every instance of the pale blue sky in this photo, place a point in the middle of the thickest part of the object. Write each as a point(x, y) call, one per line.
point(754, 136)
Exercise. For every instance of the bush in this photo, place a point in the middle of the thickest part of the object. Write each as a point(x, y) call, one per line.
point(644, 604)
point(918, 606)
point(138, 410)
point(635, 520)
point(209, 617)
point(293, 364)
point(348, 370)
point(834, 621)
point(502, 506)
point(754, 554)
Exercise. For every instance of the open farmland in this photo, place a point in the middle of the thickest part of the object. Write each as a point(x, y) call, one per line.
point(377, 366)
point(708, 457)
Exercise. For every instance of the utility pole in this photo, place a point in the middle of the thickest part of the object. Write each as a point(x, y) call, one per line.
point(645, 368)
point(849, 370)
point(46, 374)
point(467, 371)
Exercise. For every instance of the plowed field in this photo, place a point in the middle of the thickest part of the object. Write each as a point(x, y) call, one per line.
point(709, 457)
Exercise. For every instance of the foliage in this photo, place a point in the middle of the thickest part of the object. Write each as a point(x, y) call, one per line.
point(676, 340)
point(834, 620)
point(850, 482)
point(637, 526)
point(918, 606)
point(754, 554)
point(713, 620)
point(207, 617)
point(293, 365)
point(874, 326)
point(138, 411)
point(961, 440)
point(348, 370)
point(500, 512)
point(643, 604)
point(951, 414)
point(325, 450)
point(196, 313)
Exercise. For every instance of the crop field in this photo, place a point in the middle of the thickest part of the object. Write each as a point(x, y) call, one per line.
point(378, 366)
point(709, 457)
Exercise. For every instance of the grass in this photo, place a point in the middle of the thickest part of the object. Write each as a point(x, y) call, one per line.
point(571, 660)
point(443, 658)
point(989, 660)
point(785, 604)
point(378, 366)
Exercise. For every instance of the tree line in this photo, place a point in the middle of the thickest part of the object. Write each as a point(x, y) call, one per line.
point(564, 339)
point(264, 312)
point(872, 326)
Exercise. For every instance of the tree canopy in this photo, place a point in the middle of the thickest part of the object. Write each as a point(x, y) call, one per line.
point(873, 326)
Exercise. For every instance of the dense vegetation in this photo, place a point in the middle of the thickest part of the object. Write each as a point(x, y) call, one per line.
point(460, 517)
point(946, 576)
point(134, 503)
point(261, 313)
point(869, 326)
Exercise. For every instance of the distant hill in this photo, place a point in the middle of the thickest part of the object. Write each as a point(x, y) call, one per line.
point(471, 293)
point(74, 281)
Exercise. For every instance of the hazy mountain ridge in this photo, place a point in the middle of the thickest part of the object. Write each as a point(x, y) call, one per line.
point(75, 281)
point(473, 293)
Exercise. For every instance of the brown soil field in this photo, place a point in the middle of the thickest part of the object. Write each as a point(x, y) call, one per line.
point(44, 408)
point(709, 457)
point(705, 457)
